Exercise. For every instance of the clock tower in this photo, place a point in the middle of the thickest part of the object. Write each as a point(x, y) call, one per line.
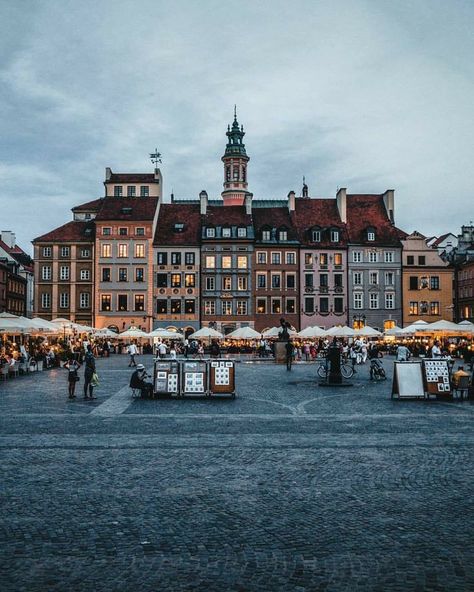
point(235, 161)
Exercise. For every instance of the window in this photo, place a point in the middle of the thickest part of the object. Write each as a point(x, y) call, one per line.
point(241, 232)
point(189, 280)
point(123, 274)
point(373, 301)
point(308, 305)
point(227, 173)
point(261, 281)
point(283, 235)
point(85, 253)
point(373, 278)
point(276, 258)
point(357, 256)
point(276, 305)
point(106, 274)
point(140, 231)
point(235, 173)
point(290, 281)
point(210, 232)
point(176, 280)
point(189, 306)
point(226, 232)
point(117, 190)
point(45, 300)
point(413, 308)
point(123, 231)
point(175, 258)
point(210, 261)
point(227, 307)
point(84, 300)
point(106, 250)
point(308, 280)
point(290, 305)
point(324, 305)
point(46, 272)
point(389, 278)
point(189, 258)
point(290, 258)
point(65, 251)
point(47, 253)
point(357, 278)
point(175, 306)
point(241, 307)
point(337, 259)
point(209, 307)
point(370, 235)
point(64, 272)
point(210, 283)
point(161, 306)
point(316, 236)
point(373, 257)
point(434, 308)
point(226, 262)
point(358, 300)
point(139, 302)
point(261, 257)
point(85, 274)
point(266, 235)
point(131, 191)
point(276, 281)
point(413, 282)
point(105, 302)
point(388, 257)
point(123, 250)
point(410, 260)
point(122, 302)
point(242, 282)
point(140, 250)
point(338, 305)
point(421, 260)
point(338, 280)
point(144, 191)
point(323, 260)
point(389, 301)
point(242, 262)
point(261, 305)
point(139, 274)
point(334, 236)
point(162, 258)
point(227, 283)
point(434, 282)
point(106, 231)
point(161, 280)
point(308, 259)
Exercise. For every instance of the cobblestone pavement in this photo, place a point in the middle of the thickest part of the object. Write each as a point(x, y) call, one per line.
point(291, 487)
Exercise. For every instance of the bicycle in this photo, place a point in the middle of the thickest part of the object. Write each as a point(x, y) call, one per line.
point(346, 370)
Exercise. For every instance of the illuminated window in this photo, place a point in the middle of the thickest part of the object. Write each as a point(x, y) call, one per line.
point(139, 302)
point(242, 282)
point(308, 259)
point(226, 262)
point(226, 307)
point(227, 283)
point(106, 250)
point(413, 308)
point(176, 280)
point(323, 259)
point(276, 305)
point(210, 261)
point(241, 307)
point(242, 262)
point(123, 250)
point(189, 280)
point(209, 307)
point(337, 259)
point(261, 305)
point(434, 308)
point(140, 250)
point(105, 302)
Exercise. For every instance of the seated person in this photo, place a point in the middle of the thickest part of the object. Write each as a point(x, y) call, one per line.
point(137, 381)
point(457, 375)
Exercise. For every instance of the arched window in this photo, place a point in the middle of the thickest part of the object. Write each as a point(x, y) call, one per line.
point(227, 172)
point(236, 173)
point(244, 174)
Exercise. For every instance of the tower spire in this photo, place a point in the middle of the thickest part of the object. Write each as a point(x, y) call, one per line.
point(235, 161)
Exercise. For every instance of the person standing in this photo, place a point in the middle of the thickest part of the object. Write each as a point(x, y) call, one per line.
point(72, 366)
point(436, 350)
point(132, 352)
point(162, 349)
point(89, 362)
point(289, 354)
point(403, 353)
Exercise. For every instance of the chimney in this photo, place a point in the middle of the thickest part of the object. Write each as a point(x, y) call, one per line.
point(389, 202)
point(341, 201)
point(203, 200)
point(8, 237)
point(248, 203)
point(291, 201)
point(108, 173)
point(159, 181)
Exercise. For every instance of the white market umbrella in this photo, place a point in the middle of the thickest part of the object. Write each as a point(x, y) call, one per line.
point(165, 334)
point(12, 324)
point(340, 331)
point(44, 325)
point(274, 332)
point(368, 332)
point(244, 333)
point(467, 324)
point(414, 327)
point(133, 333)
point(206, 332)
point(445, 327)
point(394, 331)
point(105, 333)
point(311, 332)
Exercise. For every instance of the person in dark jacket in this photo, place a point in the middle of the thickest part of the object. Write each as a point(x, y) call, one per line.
point(137, 381)
point(89, 363)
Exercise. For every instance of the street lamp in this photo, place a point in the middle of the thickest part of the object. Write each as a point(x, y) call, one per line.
point(358, 321)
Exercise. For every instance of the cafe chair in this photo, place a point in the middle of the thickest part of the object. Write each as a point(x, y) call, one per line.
point(462, 387)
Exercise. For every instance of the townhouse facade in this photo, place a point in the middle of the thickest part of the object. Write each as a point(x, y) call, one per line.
point(461, 258)
point(13, 289)
point(21, 264)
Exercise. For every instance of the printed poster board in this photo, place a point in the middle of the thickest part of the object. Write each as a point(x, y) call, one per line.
point(222, 377)
point(193, 378)
point(408, 381)
point(436, 375)
point(166, 378)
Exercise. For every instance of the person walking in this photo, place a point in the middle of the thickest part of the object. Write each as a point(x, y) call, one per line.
point(289, 354)
point(72, 366)
point(89, 362)
point(132, 352)
point(403, 353)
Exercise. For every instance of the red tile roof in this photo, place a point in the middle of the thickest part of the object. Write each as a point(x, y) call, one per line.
point(317, 212)
point(171, 214)
point(116, 208)
point(226, 216)
point(131, 178)
point(90, 206)
point(19, 255)
point(71, 232)
point(275, 217)
point(368, 211)
point(440, 239)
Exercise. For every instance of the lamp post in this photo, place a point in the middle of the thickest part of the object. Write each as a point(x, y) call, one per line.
point(358, 321)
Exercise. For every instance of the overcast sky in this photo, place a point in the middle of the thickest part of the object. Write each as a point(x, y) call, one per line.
point(366, 95)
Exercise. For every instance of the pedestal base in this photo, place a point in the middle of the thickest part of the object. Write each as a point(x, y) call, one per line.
point(280, 352)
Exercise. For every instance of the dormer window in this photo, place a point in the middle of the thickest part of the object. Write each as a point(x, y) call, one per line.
point(316, 236)
point(210, 232)
point(283, 234)
point(117, 190)
point(226, 232)
point(178, 227)
point(334, 236)
point(266, 234)
point(241, 232)
point(371, 234)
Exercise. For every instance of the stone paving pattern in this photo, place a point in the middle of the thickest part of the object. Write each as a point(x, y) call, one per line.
point(289, 487)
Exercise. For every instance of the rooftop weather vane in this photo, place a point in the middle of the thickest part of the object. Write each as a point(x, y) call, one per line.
point(155, 157)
